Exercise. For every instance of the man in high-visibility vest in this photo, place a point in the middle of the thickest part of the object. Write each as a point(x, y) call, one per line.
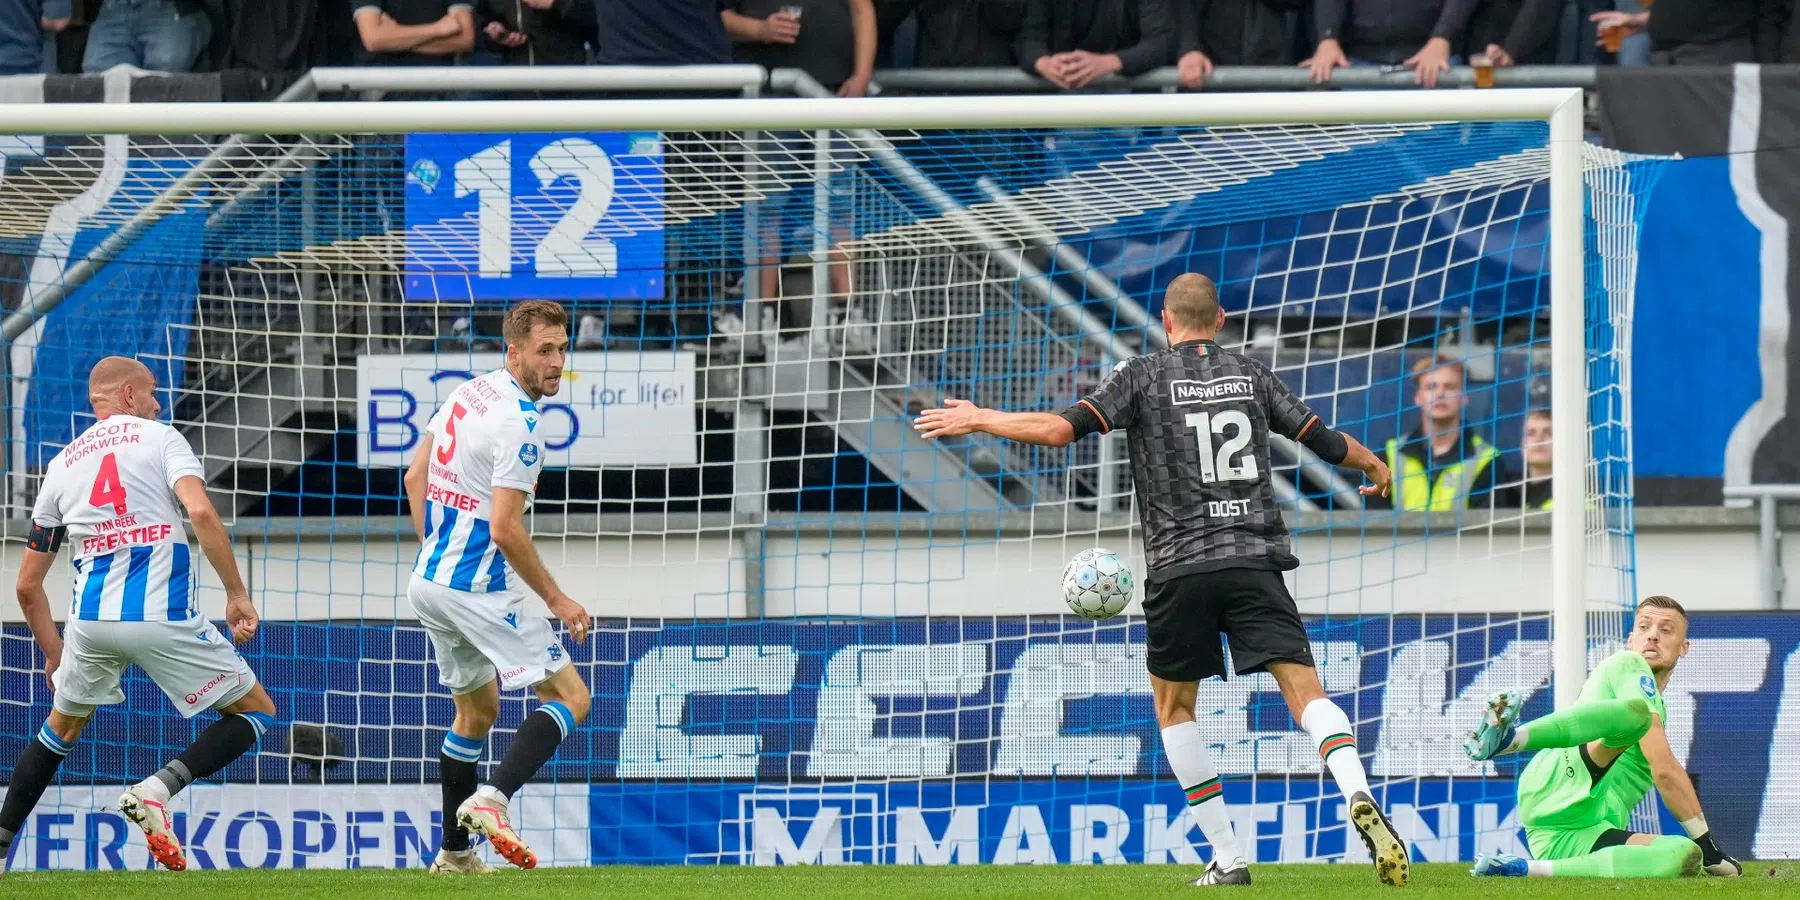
point(1534, 491)
point(1442, 465)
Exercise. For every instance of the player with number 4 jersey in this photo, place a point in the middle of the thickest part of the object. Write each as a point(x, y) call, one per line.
point(1198, 419)
point(468, 487)
point(112, 494)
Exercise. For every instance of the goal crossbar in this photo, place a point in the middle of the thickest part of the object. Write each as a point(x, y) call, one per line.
point(917, 113)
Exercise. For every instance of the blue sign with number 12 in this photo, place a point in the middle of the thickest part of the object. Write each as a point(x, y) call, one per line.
point(557, 216)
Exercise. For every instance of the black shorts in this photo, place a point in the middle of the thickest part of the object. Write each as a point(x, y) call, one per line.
point(1185, 616)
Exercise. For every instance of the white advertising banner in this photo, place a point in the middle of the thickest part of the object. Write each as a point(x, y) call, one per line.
point(614, 409)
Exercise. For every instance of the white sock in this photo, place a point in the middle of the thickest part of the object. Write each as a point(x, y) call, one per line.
point(1331, 730)
point(153, 788)
point(492, 795)
point(1199, 778)
point(1539, 868)
point(1518, 741)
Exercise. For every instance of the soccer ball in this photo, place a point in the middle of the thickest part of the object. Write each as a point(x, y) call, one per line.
point(1097, 584)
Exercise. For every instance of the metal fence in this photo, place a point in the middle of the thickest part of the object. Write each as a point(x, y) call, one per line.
point(1232, 78)
point(1768, 499)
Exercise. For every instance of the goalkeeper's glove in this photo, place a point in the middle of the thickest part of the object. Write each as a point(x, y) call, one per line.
point(1714, 860)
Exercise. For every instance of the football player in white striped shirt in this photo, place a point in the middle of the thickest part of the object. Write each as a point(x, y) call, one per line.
point(112, 494)
point(468, 488)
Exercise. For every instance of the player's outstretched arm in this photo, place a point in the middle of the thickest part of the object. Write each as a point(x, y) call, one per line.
point(34, 602)
point(1361, 458)
point(959, 417)
point(209, 530)
point(415, 479)
point(508, 530)
point(1678, 793)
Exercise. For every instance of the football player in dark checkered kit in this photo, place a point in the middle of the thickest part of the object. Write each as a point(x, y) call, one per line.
point(1197, 419)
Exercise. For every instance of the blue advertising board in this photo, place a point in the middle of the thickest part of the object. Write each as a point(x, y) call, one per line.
point(545, 215)
point(1025, 821)
point(993, 740)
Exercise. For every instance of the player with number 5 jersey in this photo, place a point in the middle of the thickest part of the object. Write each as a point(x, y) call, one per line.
point(468, 487)
point(1198, 419)
point(112, 494)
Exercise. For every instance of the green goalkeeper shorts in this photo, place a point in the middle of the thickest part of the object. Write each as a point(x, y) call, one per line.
point(1563, 811)
point(1564, 843)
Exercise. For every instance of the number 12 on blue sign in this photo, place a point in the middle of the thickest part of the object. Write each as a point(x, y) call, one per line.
point(559, 216)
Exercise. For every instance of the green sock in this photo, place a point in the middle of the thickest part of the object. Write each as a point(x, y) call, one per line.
point(1667, 857)
point(1619, 723)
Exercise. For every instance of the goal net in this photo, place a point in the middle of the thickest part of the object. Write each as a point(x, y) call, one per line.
point(822, 639)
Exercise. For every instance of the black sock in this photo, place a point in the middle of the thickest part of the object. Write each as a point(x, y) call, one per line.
point(222, 741)
point(34, 772)
point(532, 746)
point(459, 779)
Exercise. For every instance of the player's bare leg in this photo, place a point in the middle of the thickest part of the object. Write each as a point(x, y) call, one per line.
point(1330, 728)
point(565, 704)
point(34, 771)
point(1185, 748)
point(457, 771)
point(241, 724)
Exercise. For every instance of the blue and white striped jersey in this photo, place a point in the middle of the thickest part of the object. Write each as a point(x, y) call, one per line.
point(483, 437)
point(113, 488)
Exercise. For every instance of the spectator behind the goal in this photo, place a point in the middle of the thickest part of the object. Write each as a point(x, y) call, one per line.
point(24, 29)
point(834, 42)
point(1533, 492)
point(1418, 34)
point(282, 38)
point(1705, 32)
point(1443, 464)
point(661, 33)
point(957, 33)
point(831, 40)
point(1073, 43)
point(158, 35)
point(695, 164)
point(1513, 32)
point(413, 32)
point(1231, 33)
point(537, 32)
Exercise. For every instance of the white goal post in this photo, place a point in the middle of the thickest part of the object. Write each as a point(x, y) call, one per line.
point(1561, 108)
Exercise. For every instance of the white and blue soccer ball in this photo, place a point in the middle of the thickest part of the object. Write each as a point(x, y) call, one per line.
point(1097, 584)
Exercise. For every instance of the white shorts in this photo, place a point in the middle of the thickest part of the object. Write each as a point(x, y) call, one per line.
point(474, 635)
point(192, 662)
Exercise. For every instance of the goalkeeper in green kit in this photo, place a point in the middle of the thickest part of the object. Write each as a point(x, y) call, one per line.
point(1596, 761)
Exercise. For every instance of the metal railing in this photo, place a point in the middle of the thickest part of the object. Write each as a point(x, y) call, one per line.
point(1768, 498)
point(1228, 78)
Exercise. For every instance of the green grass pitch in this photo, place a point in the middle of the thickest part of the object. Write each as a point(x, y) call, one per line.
point(1305, 882)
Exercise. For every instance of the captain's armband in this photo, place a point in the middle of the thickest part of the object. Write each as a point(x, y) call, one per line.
point(46, 538)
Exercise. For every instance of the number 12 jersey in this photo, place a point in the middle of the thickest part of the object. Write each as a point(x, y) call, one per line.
point(1197, 419)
